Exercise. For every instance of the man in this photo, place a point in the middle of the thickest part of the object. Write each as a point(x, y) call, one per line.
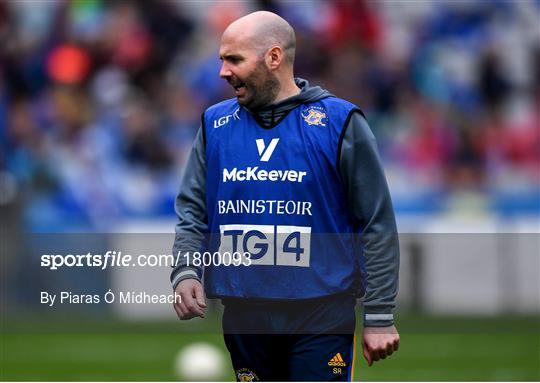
point(286, 177)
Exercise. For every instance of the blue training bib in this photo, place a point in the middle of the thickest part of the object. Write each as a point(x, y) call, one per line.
point(276, 203)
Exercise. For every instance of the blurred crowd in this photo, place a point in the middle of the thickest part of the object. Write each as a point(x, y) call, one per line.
point(100, 100)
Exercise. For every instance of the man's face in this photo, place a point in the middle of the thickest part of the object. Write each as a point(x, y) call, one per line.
point(245, 70)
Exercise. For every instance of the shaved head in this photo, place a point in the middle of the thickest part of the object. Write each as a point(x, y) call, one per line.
point(257, 54)
point(261, 31)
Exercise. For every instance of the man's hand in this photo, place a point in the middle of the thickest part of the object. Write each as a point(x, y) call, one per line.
point(192, 299)
point(379, 342)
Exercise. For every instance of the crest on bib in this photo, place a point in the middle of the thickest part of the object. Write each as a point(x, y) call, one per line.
point(315, 115)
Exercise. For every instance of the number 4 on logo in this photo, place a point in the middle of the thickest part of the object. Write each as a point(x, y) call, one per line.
point(294, 242)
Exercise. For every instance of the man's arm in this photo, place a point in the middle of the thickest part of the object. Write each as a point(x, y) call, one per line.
point(190, 207)
point(369, 199)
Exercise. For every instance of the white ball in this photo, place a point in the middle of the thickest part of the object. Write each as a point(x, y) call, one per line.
point(199, 361)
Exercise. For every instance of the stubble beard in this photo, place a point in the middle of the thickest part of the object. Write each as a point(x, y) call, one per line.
point(264, 87)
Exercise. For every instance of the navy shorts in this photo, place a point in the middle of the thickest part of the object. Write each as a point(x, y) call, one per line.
point(306, 340)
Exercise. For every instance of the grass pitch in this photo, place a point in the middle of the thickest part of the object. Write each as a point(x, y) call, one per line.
point(432, 348)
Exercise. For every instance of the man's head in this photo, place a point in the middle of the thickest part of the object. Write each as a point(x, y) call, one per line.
point(257, 52)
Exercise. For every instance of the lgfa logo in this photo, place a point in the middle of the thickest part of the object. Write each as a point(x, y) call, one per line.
point(266, 152)
point(225, 119)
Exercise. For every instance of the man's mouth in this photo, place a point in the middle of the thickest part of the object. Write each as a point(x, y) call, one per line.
point(239, 89)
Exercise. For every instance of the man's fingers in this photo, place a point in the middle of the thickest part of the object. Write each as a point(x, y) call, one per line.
point(184, 313)
point(390, 349)
point(199, 296)
point(193, 308)
point(179, 310)
point(192, 302)
point(380, 343)
point(377, 352)
point(191, 305)
point(366, 353)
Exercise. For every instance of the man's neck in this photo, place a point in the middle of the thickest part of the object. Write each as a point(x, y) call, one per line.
point(288, 89)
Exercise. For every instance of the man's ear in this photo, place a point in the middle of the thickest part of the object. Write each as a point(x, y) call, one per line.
point(274, 57)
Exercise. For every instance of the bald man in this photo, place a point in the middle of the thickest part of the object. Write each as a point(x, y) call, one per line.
point(285, 193)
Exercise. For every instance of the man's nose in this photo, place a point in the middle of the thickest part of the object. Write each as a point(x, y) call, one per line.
point(224, 71)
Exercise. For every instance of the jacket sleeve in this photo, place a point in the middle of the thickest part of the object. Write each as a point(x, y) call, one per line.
point(369, 200)
point(190, 207)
